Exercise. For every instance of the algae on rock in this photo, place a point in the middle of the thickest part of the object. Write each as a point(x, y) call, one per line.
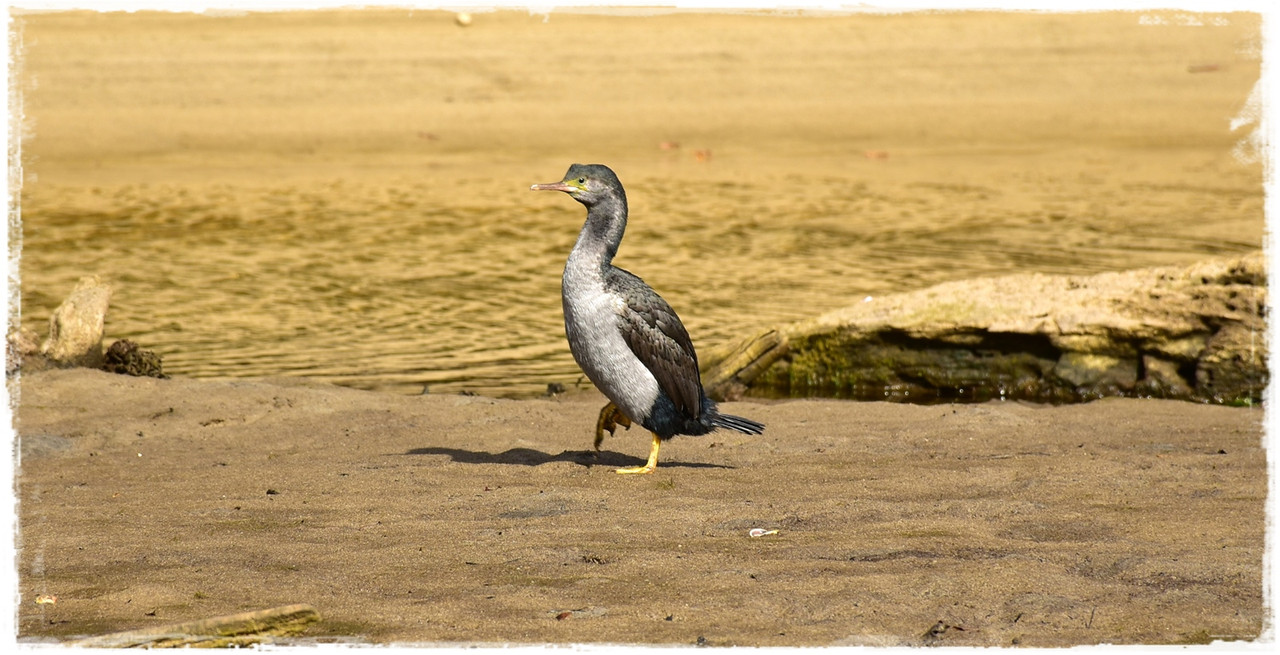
point(1195, 333)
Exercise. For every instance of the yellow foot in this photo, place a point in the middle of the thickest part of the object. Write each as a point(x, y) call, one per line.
point(650, 465)
point(635, 469)
point(610, 418)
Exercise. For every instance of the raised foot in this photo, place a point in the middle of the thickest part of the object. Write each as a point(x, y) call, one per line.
point(610, 418)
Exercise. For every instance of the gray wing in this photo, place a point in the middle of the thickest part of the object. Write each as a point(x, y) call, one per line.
point(658, 339)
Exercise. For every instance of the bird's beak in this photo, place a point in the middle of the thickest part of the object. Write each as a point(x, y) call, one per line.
point(553, 186)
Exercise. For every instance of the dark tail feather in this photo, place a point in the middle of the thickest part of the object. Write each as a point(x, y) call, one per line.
point(737, 423)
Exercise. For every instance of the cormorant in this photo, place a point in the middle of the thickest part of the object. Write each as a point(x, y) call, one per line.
point(626, 338)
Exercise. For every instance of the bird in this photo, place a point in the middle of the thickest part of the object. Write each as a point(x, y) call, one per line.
point(628, 341)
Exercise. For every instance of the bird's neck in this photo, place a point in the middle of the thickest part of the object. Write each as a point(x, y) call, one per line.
point(601, 234)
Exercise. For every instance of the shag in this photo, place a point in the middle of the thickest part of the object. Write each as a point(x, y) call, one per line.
point(626, 338)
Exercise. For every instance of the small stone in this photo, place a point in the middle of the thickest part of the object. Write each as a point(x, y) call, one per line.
point(126, 358)
point(22, 345)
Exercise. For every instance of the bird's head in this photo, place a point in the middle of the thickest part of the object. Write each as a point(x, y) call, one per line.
point(587, 183)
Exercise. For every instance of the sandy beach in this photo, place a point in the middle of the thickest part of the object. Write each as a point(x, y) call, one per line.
point(468, 519)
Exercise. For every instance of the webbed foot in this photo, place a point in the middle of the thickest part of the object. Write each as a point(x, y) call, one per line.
point(610, 418)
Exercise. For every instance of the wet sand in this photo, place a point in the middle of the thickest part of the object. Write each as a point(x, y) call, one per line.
point(155, 97)
point(462, 518)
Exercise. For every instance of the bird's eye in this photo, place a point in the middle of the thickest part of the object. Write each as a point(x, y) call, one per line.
point(582, 180)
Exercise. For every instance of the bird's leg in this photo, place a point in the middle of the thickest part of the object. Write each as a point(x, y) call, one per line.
point(610, 418)
point(651, 464)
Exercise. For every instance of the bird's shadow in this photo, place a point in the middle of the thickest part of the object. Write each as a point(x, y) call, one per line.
point(531, 457)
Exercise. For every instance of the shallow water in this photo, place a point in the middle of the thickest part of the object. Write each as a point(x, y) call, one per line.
point(401, 287)
point(344, 195)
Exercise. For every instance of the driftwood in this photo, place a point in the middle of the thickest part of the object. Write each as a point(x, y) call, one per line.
point(1194, 333)
point(219, 632)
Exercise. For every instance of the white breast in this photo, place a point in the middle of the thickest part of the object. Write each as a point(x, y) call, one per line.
point(591, 323)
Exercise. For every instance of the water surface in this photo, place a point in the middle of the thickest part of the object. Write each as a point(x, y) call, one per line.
point(344, 195)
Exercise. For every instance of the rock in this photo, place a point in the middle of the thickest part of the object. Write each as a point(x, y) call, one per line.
point(1195, 333)
point(126, 358)
point(22, 345)
point(1085, 369)
point(76, 327)
point(1166, 379)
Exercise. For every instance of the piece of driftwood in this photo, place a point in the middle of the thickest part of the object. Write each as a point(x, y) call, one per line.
point(218, 632)
point(729, 371)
